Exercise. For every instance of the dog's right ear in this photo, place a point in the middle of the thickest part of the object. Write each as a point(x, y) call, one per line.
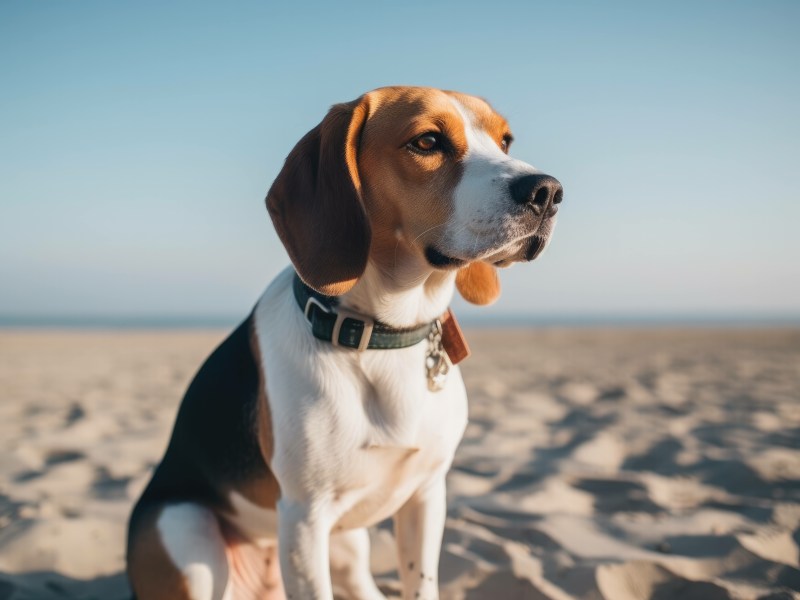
point(478, 283)
point(316, 206)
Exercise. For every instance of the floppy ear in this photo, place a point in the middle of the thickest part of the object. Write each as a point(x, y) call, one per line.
point(478, 283)
point(315, 203)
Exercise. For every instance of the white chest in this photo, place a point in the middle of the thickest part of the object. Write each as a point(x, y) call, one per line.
point(380, 477)
point(358, 431)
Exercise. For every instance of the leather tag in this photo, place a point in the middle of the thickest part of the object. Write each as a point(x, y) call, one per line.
point(453, 340)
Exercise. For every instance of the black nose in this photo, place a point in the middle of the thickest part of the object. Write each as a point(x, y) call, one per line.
point(540, 191)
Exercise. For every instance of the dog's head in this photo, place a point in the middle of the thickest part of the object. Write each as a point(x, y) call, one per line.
point(413, 172)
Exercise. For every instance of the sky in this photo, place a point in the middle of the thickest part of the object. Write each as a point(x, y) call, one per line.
point(138, 140)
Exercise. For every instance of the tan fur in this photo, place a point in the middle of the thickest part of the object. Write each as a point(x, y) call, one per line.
point(485, 116)
point(263, 492)
point(478, 283)
point(407, 196)
point(150, 569)
point(413, 195)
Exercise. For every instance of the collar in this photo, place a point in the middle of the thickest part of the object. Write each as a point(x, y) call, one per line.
point(342, 327)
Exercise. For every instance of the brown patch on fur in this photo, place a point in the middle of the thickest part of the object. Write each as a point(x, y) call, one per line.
point(478, 283)
point(408, 196)
point(151, 572)
point(315, 203)
point(262, 491)
point(484, 116)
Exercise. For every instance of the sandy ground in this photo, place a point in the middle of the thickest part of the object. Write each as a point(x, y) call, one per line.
point(614, 464)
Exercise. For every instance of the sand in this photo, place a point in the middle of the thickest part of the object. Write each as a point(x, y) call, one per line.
point(613, 464)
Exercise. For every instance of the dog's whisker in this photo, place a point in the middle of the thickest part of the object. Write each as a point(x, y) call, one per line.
point(428, 230)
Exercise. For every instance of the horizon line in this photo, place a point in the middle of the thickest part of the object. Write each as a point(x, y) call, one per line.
point(219, 320)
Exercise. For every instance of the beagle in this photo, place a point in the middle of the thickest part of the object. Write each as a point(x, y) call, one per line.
point(337, 403)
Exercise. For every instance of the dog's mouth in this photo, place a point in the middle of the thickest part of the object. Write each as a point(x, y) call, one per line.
point(534, 247)
point(523, 249)
point(442, 261)
point(530, 250)
point(527, 250)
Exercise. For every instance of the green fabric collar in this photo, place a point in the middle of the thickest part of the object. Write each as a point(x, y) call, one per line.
point(344, 328)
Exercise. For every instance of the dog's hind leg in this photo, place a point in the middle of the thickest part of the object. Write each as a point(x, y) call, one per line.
point(350, 566)
point(185, 552)
point(177, 552)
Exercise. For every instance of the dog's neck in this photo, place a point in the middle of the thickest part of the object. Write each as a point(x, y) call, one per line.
point(401, 296)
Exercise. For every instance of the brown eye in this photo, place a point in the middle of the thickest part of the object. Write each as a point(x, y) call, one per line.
point(427, 142)
point(505, 143)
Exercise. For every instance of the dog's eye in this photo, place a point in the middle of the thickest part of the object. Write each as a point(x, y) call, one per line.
point(427, 142)
point(505, 143)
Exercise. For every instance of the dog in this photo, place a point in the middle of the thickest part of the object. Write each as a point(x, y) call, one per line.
point(337, 403)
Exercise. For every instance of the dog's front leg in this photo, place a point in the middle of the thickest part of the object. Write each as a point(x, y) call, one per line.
point(303, 544)
point(419, 525)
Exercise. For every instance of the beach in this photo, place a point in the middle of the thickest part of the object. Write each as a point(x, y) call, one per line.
point(599, 463)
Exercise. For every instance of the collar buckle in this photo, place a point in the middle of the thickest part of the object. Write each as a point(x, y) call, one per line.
point(314, 302)
point(366, 333)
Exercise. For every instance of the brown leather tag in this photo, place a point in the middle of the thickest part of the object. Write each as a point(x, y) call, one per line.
point(453, 340)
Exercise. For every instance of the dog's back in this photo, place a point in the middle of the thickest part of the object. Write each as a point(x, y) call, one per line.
point(212, 452)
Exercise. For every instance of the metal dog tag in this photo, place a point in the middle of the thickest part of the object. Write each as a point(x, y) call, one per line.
point(437, 364)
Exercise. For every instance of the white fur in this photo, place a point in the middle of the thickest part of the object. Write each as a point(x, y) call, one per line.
point(350, 566)
point(410, 295)
point(356, 437)
point(485, 219)
point(191, 536)
point(260, 525)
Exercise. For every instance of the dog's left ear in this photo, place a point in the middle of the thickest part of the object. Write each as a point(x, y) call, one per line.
point(478, 283)
point(315, 203)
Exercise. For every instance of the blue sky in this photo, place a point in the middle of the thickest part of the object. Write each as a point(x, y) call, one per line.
point(137, 142)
